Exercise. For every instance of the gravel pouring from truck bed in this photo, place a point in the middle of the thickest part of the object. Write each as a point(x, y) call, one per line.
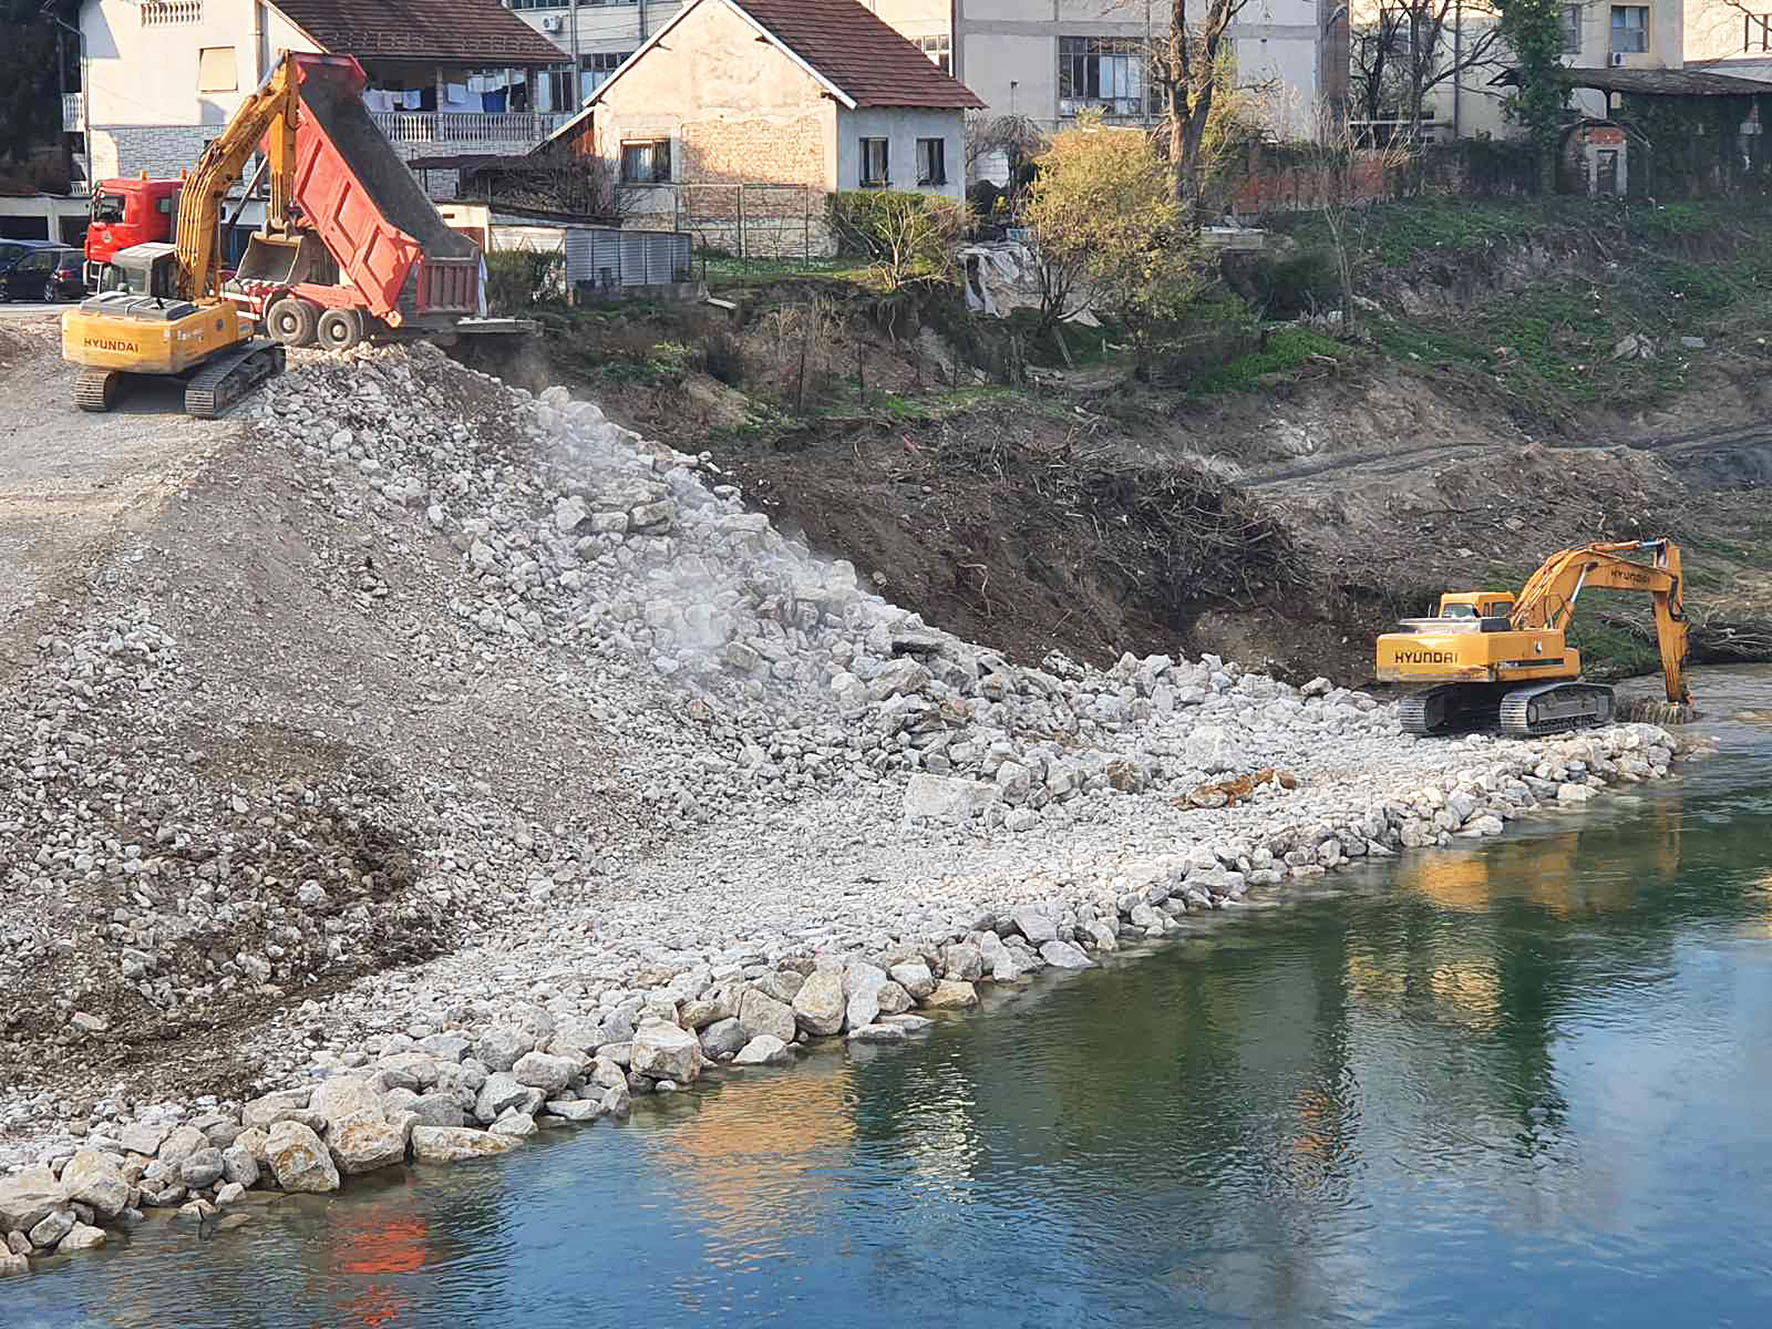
point(720, 766)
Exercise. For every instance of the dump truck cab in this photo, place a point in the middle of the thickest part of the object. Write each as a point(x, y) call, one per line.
point(127, 212)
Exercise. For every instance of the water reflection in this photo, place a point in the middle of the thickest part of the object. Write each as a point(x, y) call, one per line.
point(1519, 1084)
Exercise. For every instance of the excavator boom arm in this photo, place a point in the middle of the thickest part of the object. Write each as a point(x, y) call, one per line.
point(1548, 599)
point(269, 110)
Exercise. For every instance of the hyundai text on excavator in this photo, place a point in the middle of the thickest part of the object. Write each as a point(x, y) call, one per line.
point(1491, 656)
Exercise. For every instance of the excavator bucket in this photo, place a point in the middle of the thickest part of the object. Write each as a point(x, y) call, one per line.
point(278, 260)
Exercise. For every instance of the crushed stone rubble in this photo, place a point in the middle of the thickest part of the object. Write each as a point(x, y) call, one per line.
point(861, 819)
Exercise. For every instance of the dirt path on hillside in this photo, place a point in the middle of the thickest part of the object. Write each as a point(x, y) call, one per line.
point(69, 482)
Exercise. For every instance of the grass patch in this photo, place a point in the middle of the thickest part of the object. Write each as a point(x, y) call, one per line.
point(724, 271)
point(1287, 351)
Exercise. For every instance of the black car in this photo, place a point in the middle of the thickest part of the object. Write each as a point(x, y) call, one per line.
point(39, 270)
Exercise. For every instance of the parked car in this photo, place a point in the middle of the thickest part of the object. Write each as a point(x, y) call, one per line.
point(38, 270)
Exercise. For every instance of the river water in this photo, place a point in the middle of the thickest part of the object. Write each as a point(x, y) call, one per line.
point(1523, 1084)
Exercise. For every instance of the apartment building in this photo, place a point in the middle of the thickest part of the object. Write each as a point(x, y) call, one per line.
point(1050, 59)
point(1597, 34)
point(595, 36)
point(1045, 59)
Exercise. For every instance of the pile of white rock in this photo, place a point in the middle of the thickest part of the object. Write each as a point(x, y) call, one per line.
point(771, 701)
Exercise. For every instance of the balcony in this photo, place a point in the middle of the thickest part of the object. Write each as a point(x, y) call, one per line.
point(470, 131)
point(73, 112)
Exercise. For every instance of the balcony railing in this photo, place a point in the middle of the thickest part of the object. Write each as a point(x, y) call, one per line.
point(73, 112)
point(468, 127)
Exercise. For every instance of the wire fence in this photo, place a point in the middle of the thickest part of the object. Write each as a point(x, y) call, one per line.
point(770, 224)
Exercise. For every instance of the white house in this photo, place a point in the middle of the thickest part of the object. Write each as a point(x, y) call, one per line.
point(162, 76)
point(810, 95)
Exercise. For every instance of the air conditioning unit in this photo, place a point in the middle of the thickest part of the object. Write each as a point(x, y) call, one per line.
point(553, 23)
point(1617, 59)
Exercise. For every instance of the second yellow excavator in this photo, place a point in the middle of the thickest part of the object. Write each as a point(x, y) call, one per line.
point(1492, 656)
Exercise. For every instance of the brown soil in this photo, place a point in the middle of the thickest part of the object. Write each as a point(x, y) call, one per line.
point(1282, 528)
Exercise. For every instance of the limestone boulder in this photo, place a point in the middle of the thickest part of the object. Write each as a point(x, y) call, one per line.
point(819, 1004)
point(28, 1197)
point(541, 1070)
point(365, 1142)
point(759, 1013)
point(95, 1179)
point(452, 1144)
point(951, 994)
point(764, 1050)
point(667, 1052)
point(299, 1161)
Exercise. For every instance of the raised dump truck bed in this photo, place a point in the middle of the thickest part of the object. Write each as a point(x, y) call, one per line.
point(370, 245)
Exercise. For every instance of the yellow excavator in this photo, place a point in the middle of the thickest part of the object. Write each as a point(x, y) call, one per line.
point(161, 310)
point(1494, 657)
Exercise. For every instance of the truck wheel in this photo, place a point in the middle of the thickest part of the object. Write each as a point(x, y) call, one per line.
point(339, 329)
point(291, 321)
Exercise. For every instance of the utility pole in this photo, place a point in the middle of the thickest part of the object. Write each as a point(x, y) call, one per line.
point(578, 78)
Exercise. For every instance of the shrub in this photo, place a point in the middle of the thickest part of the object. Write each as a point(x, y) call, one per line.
point(1298, 283)
point(723, 358)
point(517, 280)
point(910, 237)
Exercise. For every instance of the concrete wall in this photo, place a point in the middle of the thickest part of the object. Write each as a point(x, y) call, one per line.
point(901, 127)
point(734, 108)
point(140, 74)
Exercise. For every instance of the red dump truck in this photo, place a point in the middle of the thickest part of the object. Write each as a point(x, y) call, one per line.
point(366, 249)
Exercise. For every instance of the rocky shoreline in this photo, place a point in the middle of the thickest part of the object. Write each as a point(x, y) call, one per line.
point(802, 814)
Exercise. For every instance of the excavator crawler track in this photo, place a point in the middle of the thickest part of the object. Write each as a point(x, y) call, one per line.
point(97, 390)
point(1447, 709)
point(1555, 708)
point(230, 376)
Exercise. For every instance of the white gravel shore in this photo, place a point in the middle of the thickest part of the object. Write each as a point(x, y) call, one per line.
point(426, 668)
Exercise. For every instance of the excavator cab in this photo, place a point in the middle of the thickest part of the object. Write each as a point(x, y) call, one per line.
point(148, 269)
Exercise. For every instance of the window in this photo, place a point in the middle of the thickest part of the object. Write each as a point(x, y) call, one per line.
point(538, 4)
point(598, 66)
point(560, 91)
point(646, 161)
point(216, 70)
point(108, 208)
point(1104, 72)
point(940, 50)
point(932, 166)
point(1571, 29)
point(1630, 28)
point(876, 162)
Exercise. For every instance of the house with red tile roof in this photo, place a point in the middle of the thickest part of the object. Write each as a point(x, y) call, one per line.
point(162, 76)
point(817, 95)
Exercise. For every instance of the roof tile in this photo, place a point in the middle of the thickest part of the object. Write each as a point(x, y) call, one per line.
point(479, 32)
point(872, 63)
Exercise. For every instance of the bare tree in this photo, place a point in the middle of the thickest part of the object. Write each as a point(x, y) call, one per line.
point(1375, 51)
point(1439, 45)
point(1018, 138)
point(1344, 164)
point(1189, 64)
point(553, 179)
